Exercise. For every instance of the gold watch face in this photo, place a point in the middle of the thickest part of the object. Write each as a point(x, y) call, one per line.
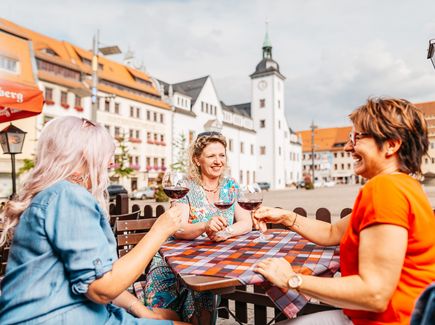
point(295, 281)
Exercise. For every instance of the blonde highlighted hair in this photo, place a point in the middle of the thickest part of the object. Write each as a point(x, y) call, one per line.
point(66, 145)
point(196, 149)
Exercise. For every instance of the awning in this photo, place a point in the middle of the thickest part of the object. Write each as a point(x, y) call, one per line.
point(18, 101)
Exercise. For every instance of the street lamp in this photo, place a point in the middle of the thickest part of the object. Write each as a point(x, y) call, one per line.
point(431, 51)
point(313, 127)
point(108, 50)
point(12, 140)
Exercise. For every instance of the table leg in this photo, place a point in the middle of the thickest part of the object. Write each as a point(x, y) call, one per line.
point(216, 308)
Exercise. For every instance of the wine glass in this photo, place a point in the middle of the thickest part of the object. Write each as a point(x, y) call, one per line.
point(250, 198)
point(226, 200)
point(175, 186)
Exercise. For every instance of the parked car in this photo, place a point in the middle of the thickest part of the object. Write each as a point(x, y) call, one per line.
point(114, 190)
point(265, 186)
point(143, 193)
point(300, 184)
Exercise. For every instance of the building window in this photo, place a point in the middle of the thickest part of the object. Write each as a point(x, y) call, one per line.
point(191, 136)
point(8, 64)
point(279, 104)
point(242, 149)
point(63, 97)
point(262, 150)
point(155, 117)
point(252, 149)
point(49, 94)
point(78, 101)
point(247, 176)
point(131, 134)
point(117, 131)
point(279, 125)
point(161, 118)
point(230, 145)
point(262, 124)
point(131, 111)
point(279, 151)
point(148, 115)
point(137, 134)
point(137, 112)
point(116, 108)
point(241, 177)
point(262, 103)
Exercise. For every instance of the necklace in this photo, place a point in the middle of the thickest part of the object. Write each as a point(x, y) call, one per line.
point(210, 191)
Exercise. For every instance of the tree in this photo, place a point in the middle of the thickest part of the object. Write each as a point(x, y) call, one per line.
point(121, 164)
point(28, 164)
point(180, 147)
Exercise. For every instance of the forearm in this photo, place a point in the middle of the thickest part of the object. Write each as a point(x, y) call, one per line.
point(350, 292)
point(319, 232)
point(241, 227)
point(134, 306)
point(127, 269)
point(191, 230)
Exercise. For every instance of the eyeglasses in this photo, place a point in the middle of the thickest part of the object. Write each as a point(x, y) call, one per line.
point(355, 136)
point(208, 134)
point(86, 122)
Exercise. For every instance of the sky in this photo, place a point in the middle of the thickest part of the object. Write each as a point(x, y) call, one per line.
point(334, 53)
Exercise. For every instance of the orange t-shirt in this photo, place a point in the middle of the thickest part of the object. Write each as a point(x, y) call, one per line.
point(395, 199)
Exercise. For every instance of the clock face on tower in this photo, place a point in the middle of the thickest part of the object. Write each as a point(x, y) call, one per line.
point(262, 84)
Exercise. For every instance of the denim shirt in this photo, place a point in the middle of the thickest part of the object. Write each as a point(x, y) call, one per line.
point(62, 243)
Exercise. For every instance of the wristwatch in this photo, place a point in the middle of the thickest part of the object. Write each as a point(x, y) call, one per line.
point(295, 281)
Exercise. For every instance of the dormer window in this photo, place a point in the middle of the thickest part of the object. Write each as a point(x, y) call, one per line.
point(9, 64)
point(49, 51)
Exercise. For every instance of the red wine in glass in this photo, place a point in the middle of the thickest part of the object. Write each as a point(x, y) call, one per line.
point(250, 204)
point(175, 192)
point(223, 205)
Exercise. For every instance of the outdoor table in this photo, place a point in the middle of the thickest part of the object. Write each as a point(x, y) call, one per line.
point(204, 265)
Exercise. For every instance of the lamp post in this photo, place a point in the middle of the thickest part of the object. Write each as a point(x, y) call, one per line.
point(312, 127)
point(12, 140)
point(108, 50)
point(431, 51)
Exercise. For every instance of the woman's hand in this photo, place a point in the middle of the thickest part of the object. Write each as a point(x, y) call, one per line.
point(170, 221)
point(214, 225)
point(276, 270)
point(264, 215)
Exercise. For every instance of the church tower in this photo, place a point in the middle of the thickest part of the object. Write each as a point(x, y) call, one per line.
point(267, 108)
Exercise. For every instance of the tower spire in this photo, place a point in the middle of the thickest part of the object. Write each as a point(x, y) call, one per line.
point(267, 44)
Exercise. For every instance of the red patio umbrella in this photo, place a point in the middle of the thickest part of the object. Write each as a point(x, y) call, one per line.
point(18, 101)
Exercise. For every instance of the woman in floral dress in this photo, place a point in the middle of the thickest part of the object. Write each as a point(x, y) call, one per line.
point(207, 185)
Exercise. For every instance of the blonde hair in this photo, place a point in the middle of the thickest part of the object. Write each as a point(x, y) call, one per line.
point(66, 145)
point(392, 119)
point(196, 149)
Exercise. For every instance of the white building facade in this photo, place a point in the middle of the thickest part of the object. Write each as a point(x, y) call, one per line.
point(261, 146)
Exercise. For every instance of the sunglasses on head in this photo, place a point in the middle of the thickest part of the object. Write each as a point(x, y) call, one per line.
point(208, 134)
point(86, 122)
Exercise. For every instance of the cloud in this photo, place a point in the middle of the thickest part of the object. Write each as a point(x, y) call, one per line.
point(334, 53)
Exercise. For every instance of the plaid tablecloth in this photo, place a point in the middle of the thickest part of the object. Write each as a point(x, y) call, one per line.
point(236, 258)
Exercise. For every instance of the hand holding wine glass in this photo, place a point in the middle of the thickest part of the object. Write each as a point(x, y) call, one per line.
point(175, 186)
point(250, 198)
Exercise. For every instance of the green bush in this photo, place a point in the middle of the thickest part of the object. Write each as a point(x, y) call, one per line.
point(160, 195)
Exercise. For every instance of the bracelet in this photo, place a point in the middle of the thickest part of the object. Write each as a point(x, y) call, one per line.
point(294, 220)
point(131, 306)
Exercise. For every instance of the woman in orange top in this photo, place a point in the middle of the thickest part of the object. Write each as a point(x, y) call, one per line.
point(387, 246)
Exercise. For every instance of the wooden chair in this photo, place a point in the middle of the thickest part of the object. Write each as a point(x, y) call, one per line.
point(130, 232)
point(301, 211)
point(127, 216)
point(323, 214)
point(345, 212)
point(160, 209)
point(148, 211)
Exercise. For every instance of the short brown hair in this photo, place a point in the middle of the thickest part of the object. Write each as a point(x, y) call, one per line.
point(196, 149)
point(393, 119)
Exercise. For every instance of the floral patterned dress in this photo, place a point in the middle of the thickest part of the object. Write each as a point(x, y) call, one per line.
point(160, 288)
